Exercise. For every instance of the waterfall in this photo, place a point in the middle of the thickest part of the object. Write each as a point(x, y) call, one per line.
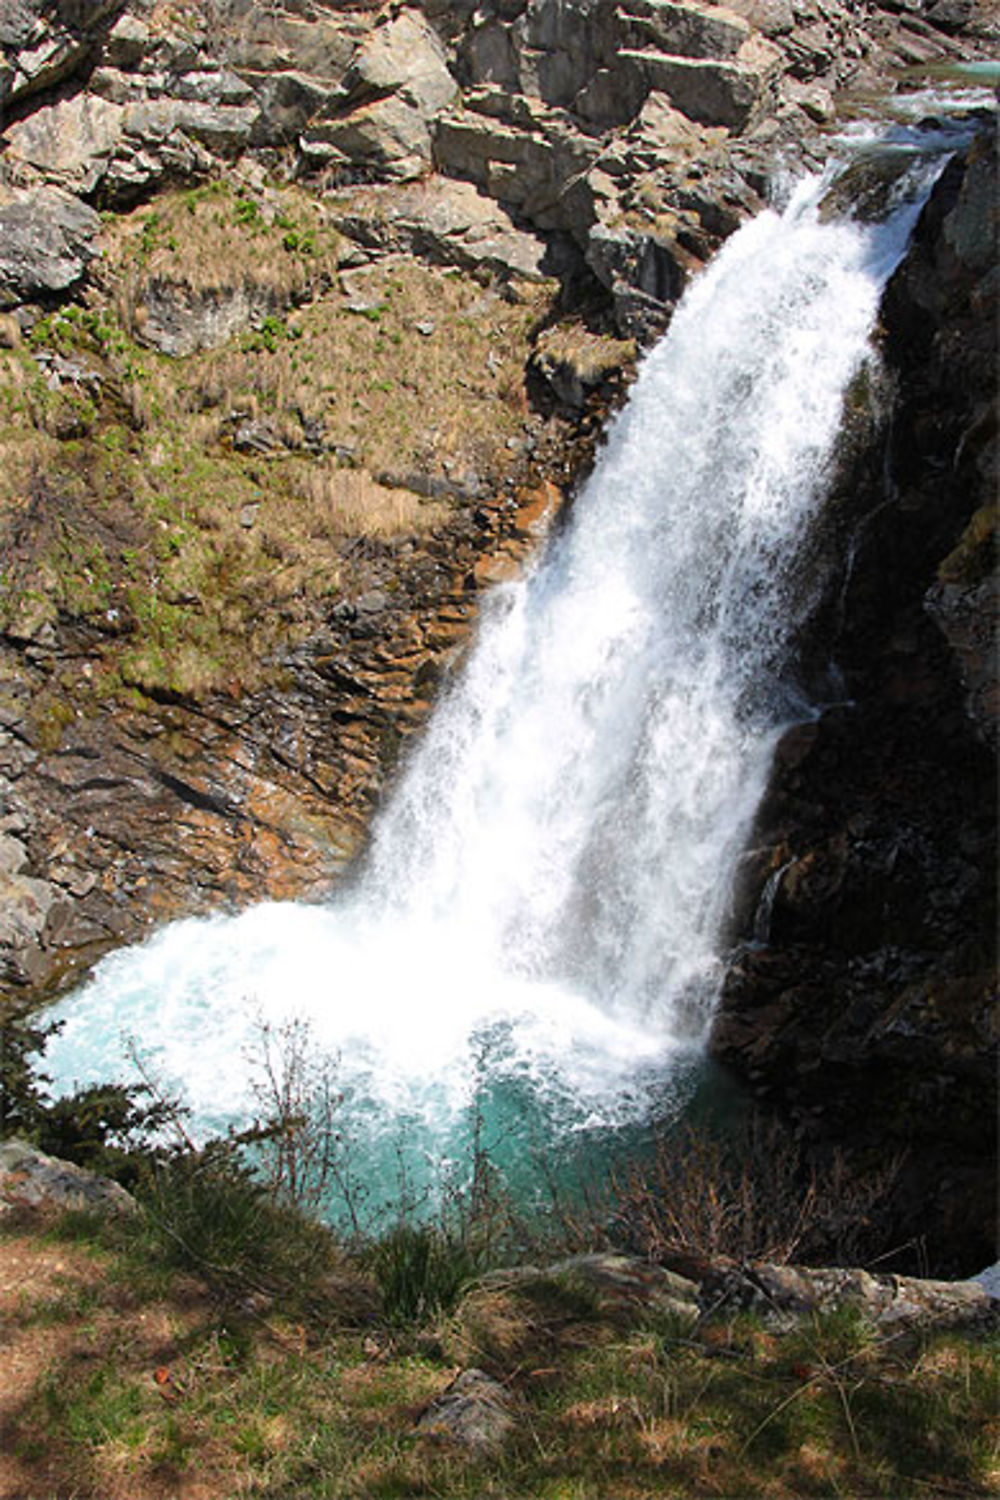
point(536, 934)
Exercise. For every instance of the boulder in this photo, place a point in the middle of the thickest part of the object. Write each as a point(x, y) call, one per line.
point(397, 83)
point(178, 319)
point(47, 241)
point(659, 130)
point(128, 42)
point(731, 93)
point(520, 152)
point(563, 43)
point(70, 142)
point(620, 1288)
point(44, 43)
point(402, 56)
point(30, 1179)
point(815, 101)
point(117, 86)
point(775, 18)
point(25, 905)
point(787, 1296)
point(287, 102)
point(552, 51)
point(211, 86)
point(13, 855)
point(490, 54)
point(474, 1413)
point(627, 1290)
point(116, 140)
point(449, 223)
point(223, 128)
point(686, 30)
point(388, 137)
point(613, 96)
point(319, 42)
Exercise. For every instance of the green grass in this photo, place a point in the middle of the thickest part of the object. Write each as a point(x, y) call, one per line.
point(277, 1400)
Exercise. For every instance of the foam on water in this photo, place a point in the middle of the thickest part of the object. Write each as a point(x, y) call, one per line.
point(540, 914)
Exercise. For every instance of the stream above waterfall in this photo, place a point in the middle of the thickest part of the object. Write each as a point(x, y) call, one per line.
point(530, 956)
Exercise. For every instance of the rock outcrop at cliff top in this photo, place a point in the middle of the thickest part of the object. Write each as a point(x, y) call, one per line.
point(640, 132)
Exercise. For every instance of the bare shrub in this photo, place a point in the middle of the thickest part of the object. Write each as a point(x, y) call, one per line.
point(749, 1195)
point(305, 1155)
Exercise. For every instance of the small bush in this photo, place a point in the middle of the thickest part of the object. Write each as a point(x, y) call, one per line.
point(420, 1271)
point(211, 1215)
point(107, 1127)
point(22, 1087)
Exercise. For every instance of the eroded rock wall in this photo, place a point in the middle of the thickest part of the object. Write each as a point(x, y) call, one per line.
point(635, 136)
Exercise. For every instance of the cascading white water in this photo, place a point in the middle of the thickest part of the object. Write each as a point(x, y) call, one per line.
point(539, 918)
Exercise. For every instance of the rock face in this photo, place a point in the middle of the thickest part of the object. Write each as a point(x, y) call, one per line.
point(866, 1002)
point(583, 119)
point(47, 240)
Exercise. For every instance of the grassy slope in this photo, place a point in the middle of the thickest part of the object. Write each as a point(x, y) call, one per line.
point(128, 1379)
point(128, 505)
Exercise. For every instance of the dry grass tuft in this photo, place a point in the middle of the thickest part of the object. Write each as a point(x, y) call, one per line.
point(348, 502)
point(210, 238)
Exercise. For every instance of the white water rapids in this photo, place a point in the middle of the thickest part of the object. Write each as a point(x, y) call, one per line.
point(538, 923)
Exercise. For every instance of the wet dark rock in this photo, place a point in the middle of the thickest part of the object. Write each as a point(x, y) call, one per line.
point(865, 1001)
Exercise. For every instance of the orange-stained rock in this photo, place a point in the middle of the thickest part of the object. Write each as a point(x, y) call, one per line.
point(501, 567)
point(536, 510)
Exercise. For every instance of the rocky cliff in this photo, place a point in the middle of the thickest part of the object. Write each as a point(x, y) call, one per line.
point(311, 316)
point(864, 998)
